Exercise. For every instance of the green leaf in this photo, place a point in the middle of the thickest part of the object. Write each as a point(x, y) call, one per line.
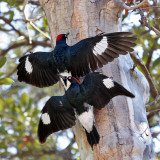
point(2, 130)
point(2, 61)
point(1, 102)
point(1, 98)
point(2, 73)
point(156, 62)
point(24, 98)
point(11, 15)
point(45, 24)
point(29, 105)
point(6, 81)
point(11, 2)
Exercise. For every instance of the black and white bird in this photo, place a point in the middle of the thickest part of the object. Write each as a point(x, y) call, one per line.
point(41, 69)
point(60, 112)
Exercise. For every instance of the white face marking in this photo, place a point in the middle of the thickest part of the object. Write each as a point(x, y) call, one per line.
point(68, 82)
point(65, 73)
point(108, 83)
point(87, 118)
point(101, 46)
point(45, 118)
point(28, 66)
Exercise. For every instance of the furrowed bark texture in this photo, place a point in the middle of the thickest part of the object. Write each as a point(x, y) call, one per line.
point(122, 124)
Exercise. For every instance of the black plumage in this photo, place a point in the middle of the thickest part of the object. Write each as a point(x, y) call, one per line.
point(60, 112)
point(41, 69)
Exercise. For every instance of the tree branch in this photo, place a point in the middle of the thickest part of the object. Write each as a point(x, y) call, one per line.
point(15, 45)
point(153, 89)
point(155, 134)
point(154, 101)
point(34, 2)
point(24, 6)
point(30, 21)
point(150, 7)
point(153, 112)
point(145, 23)
point(12, 46)
point(149, 58)
point(9, 23)
point(36, 19)
point(14, 70)
point(132, 8)
point(65, 154)
point(34, 26)
point(5, 30)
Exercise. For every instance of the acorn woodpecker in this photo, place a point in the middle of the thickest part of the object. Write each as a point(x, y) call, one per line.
point(41, 69)
point(60, 112)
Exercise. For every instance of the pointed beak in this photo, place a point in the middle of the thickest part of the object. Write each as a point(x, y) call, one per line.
point(64, 79)
point(67, 35)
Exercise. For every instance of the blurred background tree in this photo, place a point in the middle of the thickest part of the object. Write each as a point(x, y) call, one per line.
point(20, 103)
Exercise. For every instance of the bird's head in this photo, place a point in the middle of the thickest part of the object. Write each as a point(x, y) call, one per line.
point(61, 38)
point(72, 80)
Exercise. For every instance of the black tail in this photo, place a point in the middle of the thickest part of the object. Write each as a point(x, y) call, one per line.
point(120, 90)
point(93, 137)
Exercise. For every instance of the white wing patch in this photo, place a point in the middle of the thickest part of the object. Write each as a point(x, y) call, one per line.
point(87, 118)
point(101, 46)
point(28, 66)
point(45, 118)
point(108, 83)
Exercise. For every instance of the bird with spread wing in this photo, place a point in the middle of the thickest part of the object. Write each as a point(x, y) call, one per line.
point(42, 69)
point(60, 112)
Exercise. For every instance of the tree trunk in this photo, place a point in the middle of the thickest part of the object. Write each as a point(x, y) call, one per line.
point(122, 124)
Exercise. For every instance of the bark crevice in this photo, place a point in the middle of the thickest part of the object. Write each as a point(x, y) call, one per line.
point(120, 123)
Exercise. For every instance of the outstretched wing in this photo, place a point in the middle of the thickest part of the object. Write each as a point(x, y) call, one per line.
point(57, 115)
point(38, 69)
point(91, 53)
point(98, 90)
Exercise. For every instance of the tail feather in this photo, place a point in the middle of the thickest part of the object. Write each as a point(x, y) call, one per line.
point(122, 90)
point(93, 137)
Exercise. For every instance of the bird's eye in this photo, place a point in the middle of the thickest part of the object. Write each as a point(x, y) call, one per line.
point(69, 78)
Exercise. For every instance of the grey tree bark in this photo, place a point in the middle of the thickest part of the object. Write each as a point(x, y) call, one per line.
point(122, 124)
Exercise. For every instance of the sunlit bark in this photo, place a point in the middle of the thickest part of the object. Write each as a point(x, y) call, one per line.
point(122, 124)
